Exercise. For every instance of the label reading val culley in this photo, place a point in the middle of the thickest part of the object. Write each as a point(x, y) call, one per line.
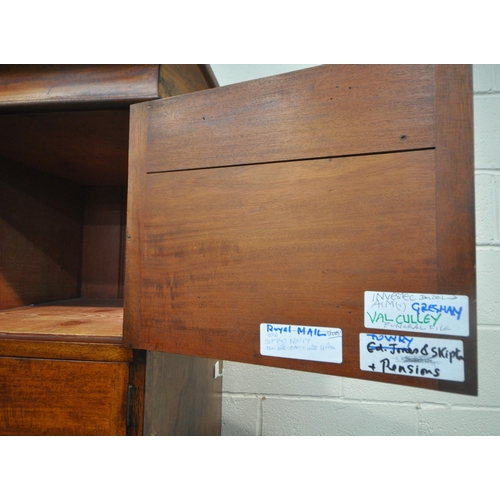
point(418, 313)
point(311, 343)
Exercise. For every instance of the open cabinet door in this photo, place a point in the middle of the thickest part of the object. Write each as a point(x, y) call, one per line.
point(320, 220)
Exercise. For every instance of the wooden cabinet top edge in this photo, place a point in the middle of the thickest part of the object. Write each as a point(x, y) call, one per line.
point(33, 87)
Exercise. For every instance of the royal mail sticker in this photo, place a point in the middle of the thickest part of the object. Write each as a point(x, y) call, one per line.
point(312, 343)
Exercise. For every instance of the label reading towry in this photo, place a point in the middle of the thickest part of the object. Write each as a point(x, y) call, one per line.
point(440, 359)
point(311, 343)
point(418, 313)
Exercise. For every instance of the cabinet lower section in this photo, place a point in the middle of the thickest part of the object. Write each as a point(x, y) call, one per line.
point(153, 394)
point(59, 397)
point(64, 371)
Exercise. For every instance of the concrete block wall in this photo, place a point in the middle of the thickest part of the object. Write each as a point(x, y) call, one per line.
point(269, 401)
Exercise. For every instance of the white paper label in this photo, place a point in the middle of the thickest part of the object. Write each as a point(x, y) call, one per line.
point(311, 343)
point(440, 359)
point(418, 313)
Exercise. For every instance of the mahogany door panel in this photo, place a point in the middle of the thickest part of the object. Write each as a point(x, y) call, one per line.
point(320, 112)
point(283, 200)
point(225, 250)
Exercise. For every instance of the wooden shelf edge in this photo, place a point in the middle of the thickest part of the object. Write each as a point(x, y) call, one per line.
point(73, 320)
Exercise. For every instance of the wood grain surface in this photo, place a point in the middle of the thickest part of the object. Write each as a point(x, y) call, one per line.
point(283, 199)
point(64, 135)
point(189, 404)
point(69, 347)
point(76, 317)
point(40, 237)
point(320, 112)
point(103, 258)
point(87, 147)
point(455, 206)
point(91, 86)
point(177, 79)
point(288, 243)
point(55, 397)
point(28, 85)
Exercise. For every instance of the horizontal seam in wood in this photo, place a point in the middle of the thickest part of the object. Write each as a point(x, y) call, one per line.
point(293, 160)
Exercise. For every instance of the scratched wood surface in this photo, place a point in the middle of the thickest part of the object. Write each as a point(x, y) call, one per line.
point(329, 189)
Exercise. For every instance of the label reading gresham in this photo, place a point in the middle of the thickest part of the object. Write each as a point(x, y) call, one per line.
point(441, 359)
point(311, 343)
point(418, 313)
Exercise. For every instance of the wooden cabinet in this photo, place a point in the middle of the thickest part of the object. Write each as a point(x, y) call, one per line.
point(64, 140)
point(217, 213)
point(262, 215)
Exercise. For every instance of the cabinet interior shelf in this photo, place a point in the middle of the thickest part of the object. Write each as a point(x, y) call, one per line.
point(71, 320)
